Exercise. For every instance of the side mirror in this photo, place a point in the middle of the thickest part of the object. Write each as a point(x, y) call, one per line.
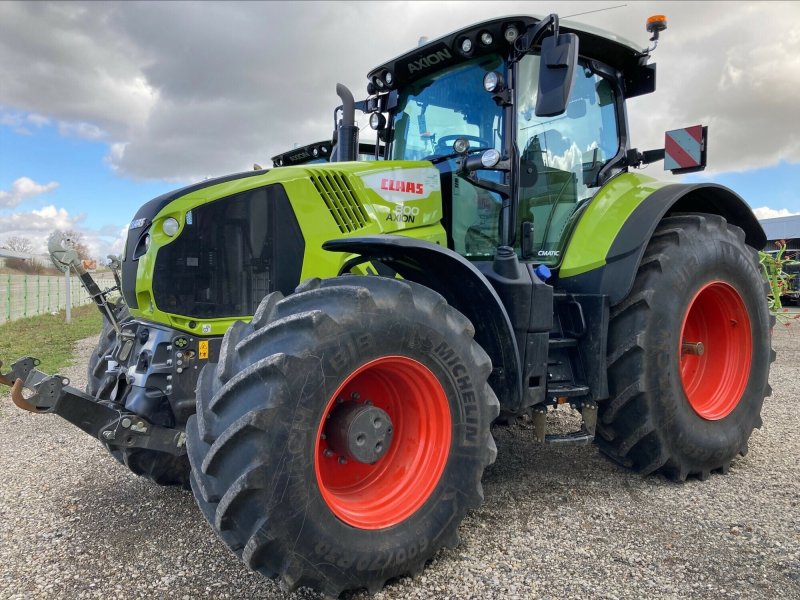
point(559, 56)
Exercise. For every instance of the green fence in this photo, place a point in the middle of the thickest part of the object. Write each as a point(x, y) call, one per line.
point(29, 295)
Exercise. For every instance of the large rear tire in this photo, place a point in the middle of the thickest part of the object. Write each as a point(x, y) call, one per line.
point(271, 467)
point(159, 467)
point(689, 353)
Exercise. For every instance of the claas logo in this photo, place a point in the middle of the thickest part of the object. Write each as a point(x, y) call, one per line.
point(409, 187)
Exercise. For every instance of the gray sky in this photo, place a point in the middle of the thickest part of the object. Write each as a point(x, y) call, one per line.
point(186, 90)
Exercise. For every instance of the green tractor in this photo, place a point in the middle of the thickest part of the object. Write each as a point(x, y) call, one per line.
point(320, 350)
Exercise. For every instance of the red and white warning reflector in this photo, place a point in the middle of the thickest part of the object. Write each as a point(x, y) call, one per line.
point(685, 149)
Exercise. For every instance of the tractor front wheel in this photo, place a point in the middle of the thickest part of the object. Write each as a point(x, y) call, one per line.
point(342, 436)
point(689, 353)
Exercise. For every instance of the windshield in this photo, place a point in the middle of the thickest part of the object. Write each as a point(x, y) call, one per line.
point(434, 111)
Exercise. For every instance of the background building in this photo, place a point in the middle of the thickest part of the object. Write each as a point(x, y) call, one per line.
point(783, 228)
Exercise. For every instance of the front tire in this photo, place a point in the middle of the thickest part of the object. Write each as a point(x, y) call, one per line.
point(267, 470)
point(688, 352)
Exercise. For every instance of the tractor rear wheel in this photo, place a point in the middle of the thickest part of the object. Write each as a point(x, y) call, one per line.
point(159, 467)
point(688, 353)
point(342, 436)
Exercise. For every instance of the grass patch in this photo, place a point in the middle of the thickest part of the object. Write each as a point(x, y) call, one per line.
point(48, 337)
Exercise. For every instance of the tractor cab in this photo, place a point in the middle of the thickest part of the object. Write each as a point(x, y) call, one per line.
point(521, 147)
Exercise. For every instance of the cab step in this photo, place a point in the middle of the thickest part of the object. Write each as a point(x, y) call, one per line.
point(567, 390)
point(584, 435)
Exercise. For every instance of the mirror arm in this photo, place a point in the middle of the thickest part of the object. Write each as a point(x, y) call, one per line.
point(503, 98)
point(499, 188)
point(534, 34)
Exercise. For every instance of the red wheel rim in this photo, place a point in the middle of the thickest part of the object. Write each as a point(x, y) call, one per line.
point(374, 496)
point(715, 350)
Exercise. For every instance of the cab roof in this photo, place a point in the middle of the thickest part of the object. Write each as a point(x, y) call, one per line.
point(606, 47)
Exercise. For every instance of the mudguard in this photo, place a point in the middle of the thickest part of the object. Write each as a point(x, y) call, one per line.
point(610, 238)
point(463, 286)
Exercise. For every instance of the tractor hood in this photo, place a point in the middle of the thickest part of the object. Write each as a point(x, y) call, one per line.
point(199, 257)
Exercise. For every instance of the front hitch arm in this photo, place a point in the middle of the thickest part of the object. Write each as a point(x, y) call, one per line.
point(100, 419)
point(65, 257)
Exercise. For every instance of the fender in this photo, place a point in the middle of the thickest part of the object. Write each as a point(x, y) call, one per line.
point(463, 286)
point(612, 234)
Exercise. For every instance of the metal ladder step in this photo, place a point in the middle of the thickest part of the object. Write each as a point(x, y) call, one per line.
point(584, 435)
point(567, 390)
point(563, 343)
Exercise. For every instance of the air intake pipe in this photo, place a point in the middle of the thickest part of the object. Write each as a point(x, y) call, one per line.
point(347, 132)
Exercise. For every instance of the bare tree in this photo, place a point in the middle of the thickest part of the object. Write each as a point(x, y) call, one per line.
point(18, 244)
point(77, 242)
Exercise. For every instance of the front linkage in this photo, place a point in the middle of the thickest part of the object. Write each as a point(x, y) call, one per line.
point(98, 418)
point(106, 420)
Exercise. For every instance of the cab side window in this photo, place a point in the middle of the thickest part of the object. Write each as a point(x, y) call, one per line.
point(561, 156)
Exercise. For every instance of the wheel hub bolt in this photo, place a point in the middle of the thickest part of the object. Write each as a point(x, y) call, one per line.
point(695, 348)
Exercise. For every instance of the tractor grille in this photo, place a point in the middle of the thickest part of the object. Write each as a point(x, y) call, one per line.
point(340, 198)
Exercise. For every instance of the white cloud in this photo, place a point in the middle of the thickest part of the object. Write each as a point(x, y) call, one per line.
point(37, 225)
point(23, 189)
point(38, 120)
point(81, 129)
point(764, 212)
point(118, 244)
point(18, 121)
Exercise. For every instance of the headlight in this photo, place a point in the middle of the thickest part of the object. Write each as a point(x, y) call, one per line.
point(490, 158)
point(170, 226)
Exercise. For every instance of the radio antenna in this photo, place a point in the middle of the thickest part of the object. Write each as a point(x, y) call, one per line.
point(588, 12)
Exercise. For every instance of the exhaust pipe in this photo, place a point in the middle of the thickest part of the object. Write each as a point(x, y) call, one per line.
point(347, 132)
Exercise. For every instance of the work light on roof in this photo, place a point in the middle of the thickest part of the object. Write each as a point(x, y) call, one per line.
point(493, 82)
point(511, 34)
point(377, 121)
point(486, 38)
point(461, 146)
point(490, 158)
point(466, 46)
point(388, 78)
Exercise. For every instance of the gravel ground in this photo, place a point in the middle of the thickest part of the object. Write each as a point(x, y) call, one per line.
point(557, 522)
